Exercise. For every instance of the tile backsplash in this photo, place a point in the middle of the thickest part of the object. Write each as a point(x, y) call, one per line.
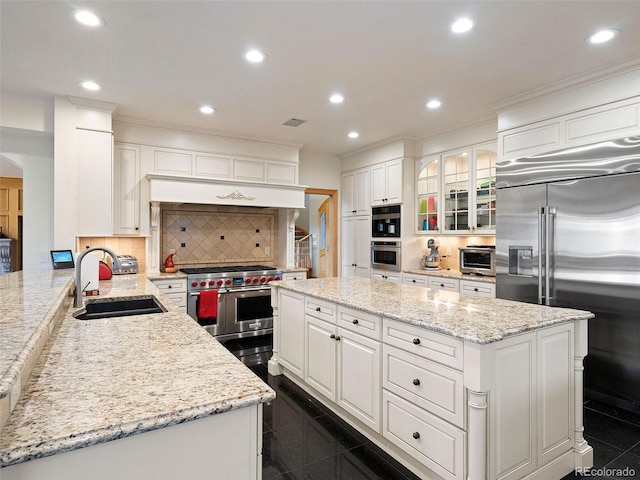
point(136, 246)
point(207, 235)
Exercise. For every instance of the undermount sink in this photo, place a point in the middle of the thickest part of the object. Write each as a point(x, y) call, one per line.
point(120, 307)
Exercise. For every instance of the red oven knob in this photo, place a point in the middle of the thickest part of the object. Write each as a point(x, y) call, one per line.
point(228, 282)
point(247, 280)
point(212, 283)
point(270, 279)
point(203, 283)
point(194, 284)
point(277, 277)
point(255, 279)
point(263, 279)
point(220, 282)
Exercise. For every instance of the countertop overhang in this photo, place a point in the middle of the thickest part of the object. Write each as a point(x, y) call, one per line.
point(480, 320)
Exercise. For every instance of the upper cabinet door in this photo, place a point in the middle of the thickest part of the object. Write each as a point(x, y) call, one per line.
point(386, 183)
point(427, 194)
point(485, 157)
point(457, 182)
point(355, 193)
point(126, 185)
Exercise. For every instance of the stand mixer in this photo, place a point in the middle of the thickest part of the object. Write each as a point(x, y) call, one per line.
point(431, 261)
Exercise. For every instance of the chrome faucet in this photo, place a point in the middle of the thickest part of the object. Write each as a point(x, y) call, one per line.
point(77, 303)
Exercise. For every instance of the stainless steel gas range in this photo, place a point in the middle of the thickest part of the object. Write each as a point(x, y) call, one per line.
point(243, 305)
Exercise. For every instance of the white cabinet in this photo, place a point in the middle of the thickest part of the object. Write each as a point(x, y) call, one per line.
point(291, 331)
point(480, 289)
point(355, 193)
point(385, 276)
point(419, 280)
point(95, 190)
point(386, 183)
point(343, 365)
point(175, 289)
point(294, 276)
point(126, 189)
point(467, 287)
point(423, 396)
point(444, 283)
point(356, 246)
point(455, 191)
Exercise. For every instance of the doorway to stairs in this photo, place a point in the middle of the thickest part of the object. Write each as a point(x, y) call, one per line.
point(317, 233)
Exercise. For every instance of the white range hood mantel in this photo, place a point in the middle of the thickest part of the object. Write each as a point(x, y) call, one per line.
point(191, 189)
point(198, 190)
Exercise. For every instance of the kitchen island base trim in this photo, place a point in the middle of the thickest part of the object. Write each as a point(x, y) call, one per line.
point(522, 414)
point(187, 450)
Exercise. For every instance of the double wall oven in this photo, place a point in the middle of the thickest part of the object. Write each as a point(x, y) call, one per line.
point(238, 310)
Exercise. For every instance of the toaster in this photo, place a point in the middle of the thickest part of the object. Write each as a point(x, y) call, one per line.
point(128, 264)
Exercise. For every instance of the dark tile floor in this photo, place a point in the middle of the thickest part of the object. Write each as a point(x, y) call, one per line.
point(304, 440)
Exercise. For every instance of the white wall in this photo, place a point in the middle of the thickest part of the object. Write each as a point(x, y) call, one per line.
point(26, 112)
point(33, 151)
point(319, 170)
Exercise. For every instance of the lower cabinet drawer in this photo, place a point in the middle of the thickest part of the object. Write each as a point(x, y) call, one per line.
point(440, 283)
point(180, 299)
point(478, 288)
point(429, 385)
point(430, 440)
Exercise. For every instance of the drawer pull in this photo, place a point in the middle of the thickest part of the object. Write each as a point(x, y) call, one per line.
point(416, 341)
point(168, 286)
point(337, 338)
point(332, 336)
point(442, 284)
point(475, 289)
point(318, 309)
point(414, 281)
point(416, 381)
point(355, 321)
point(416, 435)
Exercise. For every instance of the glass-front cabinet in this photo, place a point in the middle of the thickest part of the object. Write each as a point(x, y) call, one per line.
point(427, 189)
point(456, 191)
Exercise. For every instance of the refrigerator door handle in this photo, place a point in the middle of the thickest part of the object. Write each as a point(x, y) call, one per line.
point(541, 237)
point(548, 248)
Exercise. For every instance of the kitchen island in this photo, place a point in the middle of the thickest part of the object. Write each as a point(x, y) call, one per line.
point(452, 386)
point(143, 396)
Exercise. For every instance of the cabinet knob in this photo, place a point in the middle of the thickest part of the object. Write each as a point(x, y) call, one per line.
point(337, 338)
point(318, 309)
point(416, 341)
point(137, 228)
point(416, 435)
point(332, 336)
point(355, 321)
point(416, 381)
point(475, 289)
point(414, 280)
point(442, 284)
point(169, 286)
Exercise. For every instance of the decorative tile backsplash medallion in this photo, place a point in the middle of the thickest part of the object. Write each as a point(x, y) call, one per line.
point(207, 235)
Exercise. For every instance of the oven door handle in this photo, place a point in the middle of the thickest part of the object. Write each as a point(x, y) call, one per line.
point(197, 294)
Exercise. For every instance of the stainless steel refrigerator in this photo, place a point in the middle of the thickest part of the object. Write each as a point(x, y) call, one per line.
point(568, 235)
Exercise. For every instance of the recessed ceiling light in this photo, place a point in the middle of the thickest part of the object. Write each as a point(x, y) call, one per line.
point(336, 98)
point(433, 104)
point(255, 56)
point(603, 36)
point(353, 135)
point(207, 110)
point(88, 18)
point(89, 85)
point(462, 25)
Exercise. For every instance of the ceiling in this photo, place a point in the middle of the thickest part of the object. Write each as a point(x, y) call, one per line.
point(160, 61)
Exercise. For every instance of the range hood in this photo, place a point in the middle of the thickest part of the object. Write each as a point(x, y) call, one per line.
point(192, 189)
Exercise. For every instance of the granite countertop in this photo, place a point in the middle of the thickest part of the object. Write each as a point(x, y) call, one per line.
point(99, 380)
point(28, 303)
point(474, 319)
point(452, 274)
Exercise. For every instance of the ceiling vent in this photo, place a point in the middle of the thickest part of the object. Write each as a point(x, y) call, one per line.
point(294, 122)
